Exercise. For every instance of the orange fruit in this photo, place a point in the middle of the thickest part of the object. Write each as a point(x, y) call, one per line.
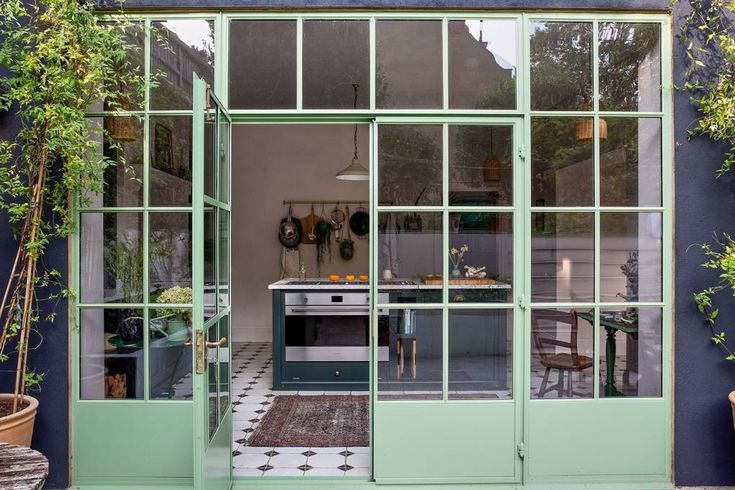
point(350, 277)
point(333, 277)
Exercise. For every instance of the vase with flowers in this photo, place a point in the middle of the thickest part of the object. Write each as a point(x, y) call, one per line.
point(456, 257)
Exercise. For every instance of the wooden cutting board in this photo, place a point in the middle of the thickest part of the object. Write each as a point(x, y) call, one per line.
point(307, 223)
point(460, 281)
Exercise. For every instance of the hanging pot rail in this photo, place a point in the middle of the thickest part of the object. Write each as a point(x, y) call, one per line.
point(333, 201)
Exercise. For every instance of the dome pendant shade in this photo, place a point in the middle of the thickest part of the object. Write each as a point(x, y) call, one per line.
point(354, 171)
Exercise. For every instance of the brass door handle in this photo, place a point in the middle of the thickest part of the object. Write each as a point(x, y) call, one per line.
point(220, 343)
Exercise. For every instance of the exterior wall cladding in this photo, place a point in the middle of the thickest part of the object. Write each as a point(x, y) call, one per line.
point(704, 437)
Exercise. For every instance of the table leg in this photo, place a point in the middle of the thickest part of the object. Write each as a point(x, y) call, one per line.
point(610, 347)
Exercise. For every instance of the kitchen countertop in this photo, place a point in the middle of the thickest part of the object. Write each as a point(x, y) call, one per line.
point(359, 285)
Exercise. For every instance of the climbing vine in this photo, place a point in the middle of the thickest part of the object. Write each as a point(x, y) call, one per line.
point(708, 34)
point(58, 60)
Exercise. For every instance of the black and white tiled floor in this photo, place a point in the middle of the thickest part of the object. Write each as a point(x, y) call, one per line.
point(252, 392)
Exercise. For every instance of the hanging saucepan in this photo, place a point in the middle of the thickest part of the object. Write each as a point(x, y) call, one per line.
point(346, 245)
point(360, 223)
point(289, 233)
point(337, 217)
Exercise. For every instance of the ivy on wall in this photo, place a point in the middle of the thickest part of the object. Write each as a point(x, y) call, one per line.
point(708, 34)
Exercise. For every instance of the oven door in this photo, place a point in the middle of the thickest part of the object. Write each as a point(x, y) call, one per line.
point(328, 334)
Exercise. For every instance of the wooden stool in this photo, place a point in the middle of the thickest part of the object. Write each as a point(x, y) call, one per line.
point(22, 467)
point(401, 354)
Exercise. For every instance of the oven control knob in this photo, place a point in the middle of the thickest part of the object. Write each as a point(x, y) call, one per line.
point(306, 300)
point(336, 373)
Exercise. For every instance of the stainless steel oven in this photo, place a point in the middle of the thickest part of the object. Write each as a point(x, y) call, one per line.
point(328, 327)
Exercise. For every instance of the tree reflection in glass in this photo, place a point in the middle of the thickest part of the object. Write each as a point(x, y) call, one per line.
point(561, 66)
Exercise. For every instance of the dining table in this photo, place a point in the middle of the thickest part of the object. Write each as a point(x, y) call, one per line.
point(612, 325)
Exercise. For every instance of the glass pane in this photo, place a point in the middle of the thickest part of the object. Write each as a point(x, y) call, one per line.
point(223, 259)
point(170, 172)
point(412, 367)
point(630, 364)
point(410, 257)
point(111, 353)
point(212, 375)
point(630, 66)
point(262, 71)
point(131, 67)
point(180, 48)
point(122, 146)
point(336, 57)
point(480, 257)
point(111, 262)
point(224, 157)
point(630, 162)
point(224, 366)
point(409, 64)
point(630, 257)
point(410, 165)
point(169, 257)
point(562, 353)
point(562, 257)
point(561, 161)
point(170, 357)
point(480, 354)
point(480, 165)
point(210, 153)
point(482, 64)
point(210, 264)
point(561, 66)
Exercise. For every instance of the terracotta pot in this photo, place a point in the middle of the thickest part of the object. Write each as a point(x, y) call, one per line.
point(18, 428)
point(731, 397)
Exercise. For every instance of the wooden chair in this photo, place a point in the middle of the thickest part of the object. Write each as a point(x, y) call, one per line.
point(565, 362)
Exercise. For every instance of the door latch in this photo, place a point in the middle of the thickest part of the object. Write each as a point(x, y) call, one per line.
point(522, 302)
point(199, 354)
point(521, 450)
point(522, 152)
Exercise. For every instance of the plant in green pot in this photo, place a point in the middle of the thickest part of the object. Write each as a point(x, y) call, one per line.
point(58, 60)
point(178, 320)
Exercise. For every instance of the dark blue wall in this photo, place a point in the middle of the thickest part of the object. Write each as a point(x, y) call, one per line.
point(704, 436)
point(51, 432)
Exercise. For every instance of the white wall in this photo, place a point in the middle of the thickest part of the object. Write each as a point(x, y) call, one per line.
point(273, 163)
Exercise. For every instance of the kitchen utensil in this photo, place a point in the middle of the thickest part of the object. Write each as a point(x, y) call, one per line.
point(289, 233)
point(337, 215)
point(308, 228)
point(360, 223)
point(346, 245)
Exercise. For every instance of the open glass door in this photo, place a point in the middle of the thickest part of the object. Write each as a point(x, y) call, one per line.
point(211, 305)
point(448, 293)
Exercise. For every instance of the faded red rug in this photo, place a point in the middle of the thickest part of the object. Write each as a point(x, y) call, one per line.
point(314, 421)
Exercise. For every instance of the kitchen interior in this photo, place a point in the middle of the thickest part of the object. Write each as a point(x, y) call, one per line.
point(300, 269)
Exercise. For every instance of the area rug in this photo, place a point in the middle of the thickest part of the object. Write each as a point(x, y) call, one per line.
point(314, 421)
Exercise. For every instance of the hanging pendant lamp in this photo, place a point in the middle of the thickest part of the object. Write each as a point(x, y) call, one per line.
point(355, 170)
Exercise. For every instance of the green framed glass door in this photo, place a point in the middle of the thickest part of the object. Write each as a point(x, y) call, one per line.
point(211, 305)
point(447, 298)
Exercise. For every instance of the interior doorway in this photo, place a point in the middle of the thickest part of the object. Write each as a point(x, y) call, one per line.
point(292, 416)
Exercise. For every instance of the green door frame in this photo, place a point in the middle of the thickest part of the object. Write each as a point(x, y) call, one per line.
point(497, 457)
point(211, 449)
point(92, 416)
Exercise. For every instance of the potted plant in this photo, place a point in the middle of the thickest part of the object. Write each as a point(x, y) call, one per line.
point(178, 320)
point(58, 60)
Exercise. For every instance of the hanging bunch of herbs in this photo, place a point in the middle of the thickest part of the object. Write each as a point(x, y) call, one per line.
point(58, 59)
